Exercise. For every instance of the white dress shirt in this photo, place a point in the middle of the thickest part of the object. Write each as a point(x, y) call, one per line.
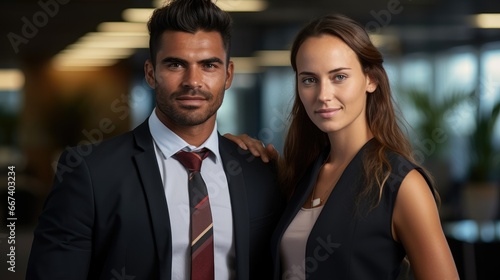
point(175, 183)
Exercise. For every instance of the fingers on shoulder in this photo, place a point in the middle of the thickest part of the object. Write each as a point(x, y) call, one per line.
point(240, 140)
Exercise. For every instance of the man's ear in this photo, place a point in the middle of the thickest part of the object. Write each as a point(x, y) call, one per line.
point(149, 73)
point(229, 75)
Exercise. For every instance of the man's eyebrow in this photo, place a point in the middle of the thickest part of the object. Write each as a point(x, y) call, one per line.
point(212, 60)
point(170, 59)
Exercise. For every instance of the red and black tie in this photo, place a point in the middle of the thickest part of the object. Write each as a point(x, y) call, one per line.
point(202, 240)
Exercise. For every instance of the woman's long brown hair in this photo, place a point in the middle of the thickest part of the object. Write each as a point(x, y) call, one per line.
point(304, 141)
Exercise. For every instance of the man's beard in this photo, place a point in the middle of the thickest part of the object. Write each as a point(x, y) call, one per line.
point(186, 115)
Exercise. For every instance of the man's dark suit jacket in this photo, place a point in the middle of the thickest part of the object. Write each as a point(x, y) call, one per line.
point(107, 216)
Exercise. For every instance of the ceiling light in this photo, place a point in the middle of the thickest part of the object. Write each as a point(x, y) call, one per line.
point(143, 15)
point(111, 36)
point(76, 56)
point(92, 53)
point(386, 41)
point(11, 79)
point(137, 15)
point(273, 58)
point(98, 49)
point(242, 5)
point(125, 43)
point(117, 40)
point(59, 63)
point(77, 68)
point(486, 20)
point(245, 65)
point(134, 27)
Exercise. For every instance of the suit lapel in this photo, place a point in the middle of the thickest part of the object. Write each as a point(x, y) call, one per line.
point(153, 188)
point(302, 191)
point(239, 206)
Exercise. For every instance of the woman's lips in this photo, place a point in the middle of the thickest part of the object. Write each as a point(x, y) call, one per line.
point(327, 113)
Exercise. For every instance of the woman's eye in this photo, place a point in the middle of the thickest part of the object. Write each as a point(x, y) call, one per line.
point(308, 81)
point(340, 77)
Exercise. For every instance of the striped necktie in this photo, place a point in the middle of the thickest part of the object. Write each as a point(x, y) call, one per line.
point(202, 249)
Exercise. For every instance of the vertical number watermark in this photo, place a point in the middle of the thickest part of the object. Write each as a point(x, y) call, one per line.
point(11, 218)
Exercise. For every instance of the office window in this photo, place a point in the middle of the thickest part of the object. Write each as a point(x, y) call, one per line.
point(239, 111)
point(490, 79)
point(414, 73)
point(489, 83)
point(141, 102)
point(417, 73)
point(10, 106)
point(277, 100)
point(457, 74)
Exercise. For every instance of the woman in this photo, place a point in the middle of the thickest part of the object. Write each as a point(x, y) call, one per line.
point(359, 203)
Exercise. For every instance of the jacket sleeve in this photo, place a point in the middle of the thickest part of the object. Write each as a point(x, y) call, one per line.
point(62, 241)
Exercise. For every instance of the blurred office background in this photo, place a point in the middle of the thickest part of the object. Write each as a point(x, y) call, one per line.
point(71, 72)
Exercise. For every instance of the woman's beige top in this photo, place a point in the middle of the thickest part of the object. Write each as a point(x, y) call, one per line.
point(293, 243)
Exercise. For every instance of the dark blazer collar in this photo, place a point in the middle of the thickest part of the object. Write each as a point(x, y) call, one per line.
point(153, 187)
point(304, 186)
point(301, 193)
point(152, 184)
point(142, 136)
point(231, 161)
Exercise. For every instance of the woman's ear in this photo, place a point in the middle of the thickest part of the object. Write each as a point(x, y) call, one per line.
point(371, 84)
point(149, 73)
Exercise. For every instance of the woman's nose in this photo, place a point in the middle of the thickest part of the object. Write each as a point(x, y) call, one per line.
point(326, 91)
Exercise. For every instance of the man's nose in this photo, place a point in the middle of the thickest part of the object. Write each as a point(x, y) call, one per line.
point(192, 78)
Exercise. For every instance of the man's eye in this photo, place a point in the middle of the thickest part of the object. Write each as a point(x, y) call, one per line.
point(174, 65)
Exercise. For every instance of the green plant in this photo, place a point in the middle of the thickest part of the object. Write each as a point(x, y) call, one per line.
point(433, 112)
point(485, 158)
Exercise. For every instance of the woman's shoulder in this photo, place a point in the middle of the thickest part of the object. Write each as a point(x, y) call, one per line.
point(399, 163)
point(401, 167)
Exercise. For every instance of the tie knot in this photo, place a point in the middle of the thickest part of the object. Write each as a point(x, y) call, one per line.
point(192, 160)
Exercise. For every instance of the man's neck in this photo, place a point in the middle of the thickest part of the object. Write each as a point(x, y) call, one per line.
point(194, 134)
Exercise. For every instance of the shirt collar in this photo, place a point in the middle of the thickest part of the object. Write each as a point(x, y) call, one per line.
point(170, 143)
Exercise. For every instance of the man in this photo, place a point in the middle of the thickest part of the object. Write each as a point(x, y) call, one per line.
point(122, 212)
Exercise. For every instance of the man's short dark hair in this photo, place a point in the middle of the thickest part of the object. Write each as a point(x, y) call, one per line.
point(188, 16)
